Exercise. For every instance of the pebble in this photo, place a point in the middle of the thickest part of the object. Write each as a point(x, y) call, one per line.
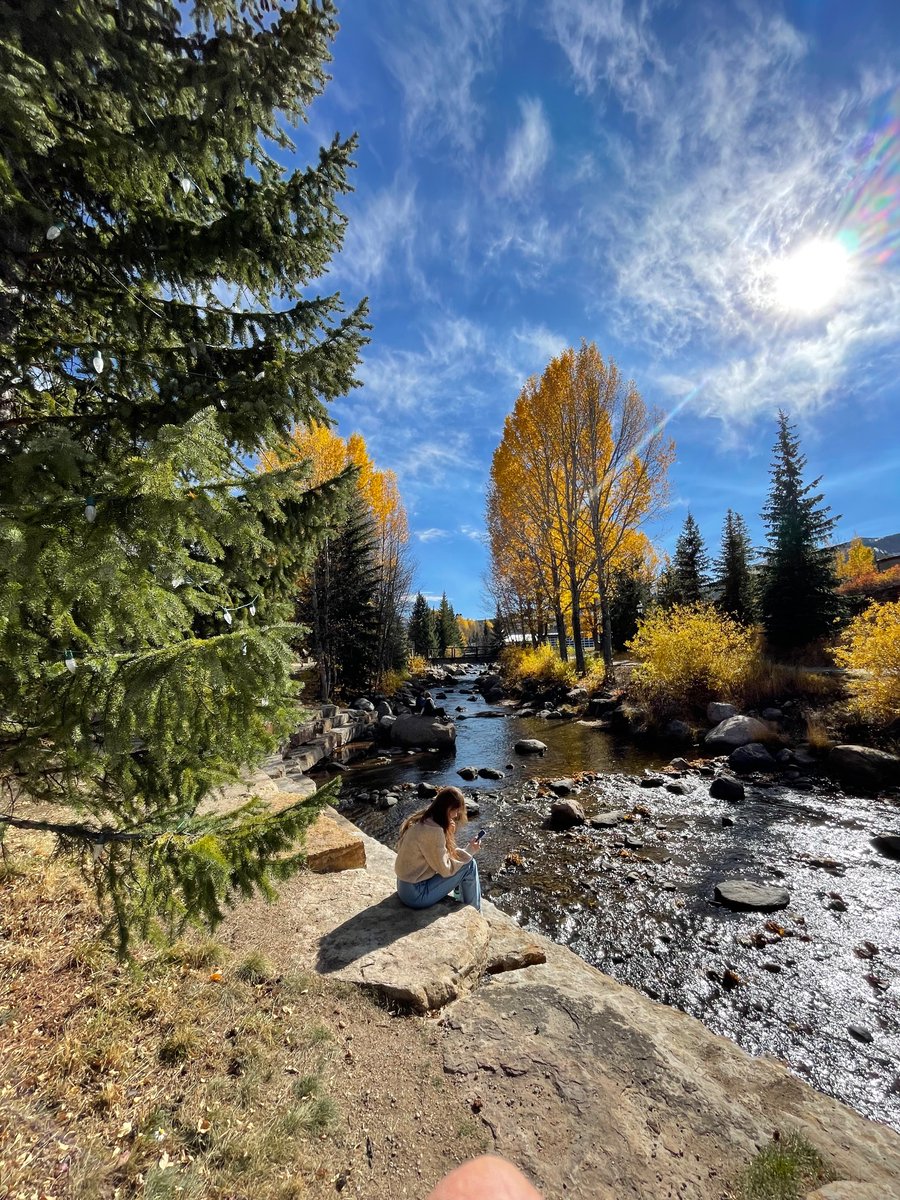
point(860, 1033)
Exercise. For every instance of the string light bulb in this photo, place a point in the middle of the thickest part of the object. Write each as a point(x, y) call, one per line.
point(177, 582)
point(186, 186)
point(244, 648)
point(71, 664)
point(53, 232)
point(252, 610)
point(90, 510)
point(97, 362)
point(228, 618)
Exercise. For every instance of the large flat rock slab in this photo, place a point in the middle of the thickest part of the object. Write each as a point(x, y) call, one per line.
point(333, 847)
point(421, 959)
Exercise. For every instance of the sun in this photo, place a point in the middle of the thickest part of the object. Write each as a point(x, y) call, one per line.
point(812, 278)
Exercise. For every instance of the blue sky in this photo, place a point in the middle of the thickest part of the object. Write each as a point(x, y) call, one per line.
point(647, 175)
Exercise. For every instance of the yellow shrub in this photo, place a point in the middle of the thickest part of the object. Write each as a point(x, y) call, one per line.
point(416, 664)
point(690, 654)
point(393, 681)
point(539, 666)
point(871, 643)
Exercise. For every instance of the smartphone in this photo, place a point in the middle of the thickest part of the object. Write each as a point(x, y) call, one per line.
point(479, 836)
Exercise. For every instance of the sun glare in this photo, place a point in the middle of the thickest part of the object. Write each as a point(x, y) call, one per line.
point(811, 278)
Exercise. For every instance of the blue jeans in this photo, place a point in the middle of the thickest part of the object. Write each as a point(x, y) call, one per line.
point(429, 891)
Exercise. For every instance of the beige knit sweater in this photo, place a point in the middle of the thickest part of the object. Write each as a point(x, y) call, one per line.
point(422, 852)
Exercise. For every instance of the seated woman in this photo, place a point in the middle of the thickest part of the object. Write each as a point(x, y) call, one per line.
point(429, 864)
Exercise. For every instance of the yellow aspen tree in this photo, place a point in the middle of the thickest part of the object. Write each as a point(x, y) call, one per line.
point(858, 559)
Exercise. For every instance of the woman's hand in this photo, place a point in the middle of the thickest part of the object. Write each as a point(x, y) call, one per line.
point(474, 846)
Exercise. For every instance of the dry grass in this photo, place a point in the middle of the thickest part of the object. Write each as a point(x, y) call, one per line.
point(182, 1074)
point(769, 682)
point(817, 735)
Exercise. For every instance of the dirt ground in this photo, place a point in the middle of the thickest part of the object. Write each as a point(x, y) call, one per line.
point(189, 1073)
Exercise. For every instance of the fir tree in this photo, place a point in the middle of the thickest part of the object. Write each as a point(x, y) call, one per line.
point(421, 629)
point(156, 330)
point(797, 598)
point(690, 565)
point(628, 596)
point(339, 603)
point(497, 633)
point(447, 630)
point(734, 578)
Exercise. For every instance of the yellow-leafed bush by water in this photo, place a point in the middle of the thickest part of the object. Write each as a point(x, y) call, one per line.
point(690, 654)
point(871, 643)
point(538, 666)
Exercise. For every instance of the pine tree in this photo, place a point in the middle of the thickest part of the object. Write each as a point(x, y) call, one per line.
point(448, 635)
point(339, 603)
point(690, 565)
point(797, 597)
point(155, 332)
point(421, 629)
point(734, 578)
point(628, 597)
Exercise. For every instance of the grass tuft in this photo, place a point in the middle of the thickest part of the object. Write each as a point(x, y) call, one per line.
point(256, 968)
point(786, 1169)
point(179, 1046)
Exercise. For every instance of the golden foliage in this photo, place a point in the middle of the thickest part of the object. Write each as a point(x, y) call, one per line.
point(871, 583)
point(417, 664)
point(539, 666)
point(690, 654)
point(856, 560)
point(871, 643)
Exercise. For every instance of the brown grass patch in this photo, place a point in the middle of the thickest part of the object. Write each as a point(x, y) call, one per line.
point(174, 1076)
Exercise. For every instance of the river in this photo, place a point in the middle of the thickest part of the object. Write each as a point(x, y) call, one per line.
point(790, 985)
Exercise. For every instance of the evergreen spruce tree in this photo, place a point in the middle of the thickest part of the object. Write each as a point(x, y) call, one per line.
point(628, 597)
point(497, 633)
point(156, 329)
point(690, 565)
point(447, 630)
point(339, 604)
point(421, 629)
point(664, 594)
point(797, 598)
point(734, 578)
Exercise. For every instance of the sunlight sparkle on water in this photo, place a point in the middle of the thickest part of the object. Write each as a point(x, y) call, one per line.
point(812, 278)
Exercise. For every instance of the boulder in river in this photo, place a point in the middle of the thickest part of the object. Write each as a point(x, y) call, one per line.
point(887, 843)
point(363, 705)
point(726, 787)
point(716, 711)
point(752, 757)
point(737, 731)
point(678, 731)
point(564, 814)
point(741, 893)
point(490, 773)
point(864, 765)
point(411, 730)
point(561, 787)
point(468, 773)
point(426, 790)
point(608, 820)
point(530, 746)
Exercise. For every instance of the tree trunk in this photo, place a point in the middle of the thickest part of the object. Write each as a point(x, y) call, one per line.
point(607, 627)
point(561, 631)
point(576, 620)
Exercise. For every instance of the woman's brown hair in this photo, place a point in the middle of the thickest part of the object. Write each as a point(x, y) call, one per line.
point(447, 799)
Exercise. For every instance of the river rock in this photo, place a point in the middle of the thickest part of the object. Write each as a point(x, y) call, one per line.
point(363, 705)
point(887, 843)
point(600, 706)
point(741, 893)
point(864, 765)
point(468, 773)
point(860, 1033)
point(650, 781)
point(680, 764)
point(752, 757)
point(678, 731)
point(607, 820)
point(677, 788)
point(577, 695)
point(771, 714)
point(716, 711)
point(426, 791)
point(490, 773)
point(564, 814)
point(472, 809)
point(530, 746)
point(561, 787)
point(411, 730)
point(384, 709)
point(737, 731)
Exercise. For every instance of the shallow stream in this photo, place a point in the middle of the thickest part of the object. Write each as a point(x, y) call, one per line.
point(789, 985)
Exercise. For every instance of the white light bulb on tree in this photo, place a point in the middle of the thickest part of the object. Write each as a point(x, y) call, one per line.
point(53, 232)
point(90, 510)
point(71, 664)
point(97, 362)
point(186, 186)
point(177, 582)
point(228, 618)
point(252, 610)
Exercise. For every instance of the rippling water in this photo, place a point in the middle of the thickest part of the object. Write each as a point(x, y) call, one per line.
point(647, 916)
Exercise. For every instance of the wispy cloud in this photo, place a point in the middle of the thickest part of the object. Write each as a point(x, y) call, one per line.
point(445, 50)
point(528, 149)
point(469, 531)
point(382, 232)
point(432, 535)
point(608, 43)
